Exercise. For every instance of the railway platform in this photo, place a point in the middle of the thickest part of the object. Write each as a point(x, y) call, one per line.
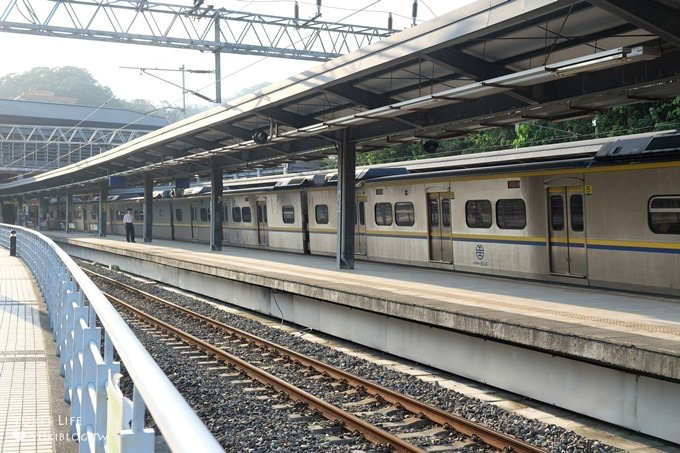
point(607, 354)
point(33, 414)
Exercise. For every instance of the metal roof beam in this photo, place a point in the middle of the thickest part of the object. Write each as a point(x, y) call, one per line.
point(652, 15)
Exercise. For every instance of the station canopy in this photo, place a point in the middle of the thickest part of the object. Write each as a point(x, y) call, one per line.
point(489, 64)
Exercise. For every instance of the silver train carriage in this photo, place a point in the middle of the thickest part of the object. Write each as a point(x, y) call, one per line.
point(602, 212)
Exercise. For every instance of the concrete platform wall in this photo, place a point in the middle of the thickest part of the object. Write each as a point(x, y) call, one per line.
point(651, 406)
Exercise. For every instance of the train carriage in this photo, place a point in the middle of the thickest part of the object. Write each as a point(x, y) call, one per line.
point(603, 212)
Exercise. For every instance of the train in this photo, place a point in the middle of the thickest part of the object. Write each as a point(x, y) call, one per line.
point(601, 212)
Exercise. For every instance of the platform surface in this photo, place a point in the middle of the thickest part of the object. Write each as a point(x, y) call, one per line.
point(33, 417)
point(639, 332)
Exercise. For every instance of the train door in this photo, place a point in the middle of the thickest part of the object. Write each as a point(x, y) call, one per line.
point(567, 231)
point(192, 220)
point(360, 247)
point(439, 226)
point(262, 224)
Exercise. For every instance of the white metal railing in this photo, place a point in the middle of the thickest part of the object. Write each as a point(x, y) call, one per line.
point(102, 418)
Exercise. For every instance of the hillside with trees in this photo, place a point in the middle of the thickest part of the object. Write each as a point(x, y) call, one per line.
point(76, 85)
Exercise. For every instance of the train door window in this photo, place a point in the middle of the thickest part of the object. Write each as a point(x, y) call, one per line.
point(178, 215)
point(246, 214)
point(226, 212)
point(288, 213)
point(478, 213)
point(139, 215)
point(576, 212)
point(434, 211)
point(192, 213)
point(321, 214)
point(511, 214)
point(236, 214)
point(383, 214)
point(362, 213)
point(557, 212)
point(204, 214)
point(404, 214)
point(664, 214)
point(94, 214)
point(446, 212)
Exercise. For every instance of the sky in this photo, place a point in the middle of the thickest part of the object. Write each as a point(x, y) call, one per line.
point(105, 61)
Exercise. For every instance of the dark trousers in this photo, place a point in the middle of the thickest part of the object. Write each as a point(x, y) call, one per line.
point(130, 232)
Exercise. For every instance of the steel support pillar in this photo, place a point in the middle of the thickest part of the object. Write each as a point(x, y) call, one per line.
point(67, 214)
point(346, 202)
point(218, 63)
point(148, 207)
point(103, 196)
point(216, 188)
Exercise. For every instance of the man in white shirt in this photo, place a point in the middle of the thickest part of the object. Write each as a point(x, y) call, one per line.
point(129, 226)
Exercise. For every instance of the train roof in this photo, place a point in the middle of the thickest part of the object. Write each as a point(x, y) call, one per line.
point(531, 154)
point(655, 145)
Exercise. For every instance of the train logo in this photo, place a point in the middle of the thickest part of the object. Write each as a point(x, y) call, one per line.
point(479, 252)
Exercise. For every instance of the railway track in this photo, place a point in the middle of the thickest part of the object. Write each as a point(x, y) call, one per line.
point(388, 419)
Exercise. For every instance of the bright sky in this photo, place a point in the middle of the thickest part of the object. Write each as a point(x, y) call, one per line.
point(104, 61)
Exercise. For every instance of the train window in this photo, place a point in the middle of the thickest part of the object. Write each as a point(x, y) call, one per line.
point(404, 214)
point(664, 214)
point(178, 215)
point(383, 214)
point(321, 211)
point(246, 215)
point(362, 213)
point(288, 213)
point(511, 214)
point(446, 212)
point(236, 214)
point(478, 213)
point(557, 212)
point(139, 215)
point(204, 214)
point(94, 215)
point(434, 212)
point(576, 212)
point(79, 214)
point(226, 211)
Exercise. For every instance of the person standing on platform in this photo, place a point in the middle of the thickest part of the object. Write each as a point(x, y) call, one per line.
point(129, 226)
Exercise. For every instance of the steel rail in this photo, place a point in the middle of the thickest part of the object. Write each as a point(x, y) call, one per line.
point(349, 421)
point(489, 436)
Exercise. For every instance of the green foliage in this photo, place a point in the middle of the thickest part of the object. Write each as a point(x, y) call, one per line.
point(620, 120)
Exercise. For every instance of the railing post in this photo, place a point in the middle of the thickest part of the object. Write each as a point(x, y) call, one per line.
point(137, 438)
point(13, 243)
point(77, 387)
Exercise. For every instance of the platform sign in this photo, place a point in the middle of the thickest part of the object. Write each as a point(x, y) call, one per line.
point(116, 182)
point(182, 183)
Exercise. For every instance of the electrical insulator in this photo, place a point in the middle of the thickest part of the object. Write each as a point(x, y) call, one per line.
point(415, 11)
